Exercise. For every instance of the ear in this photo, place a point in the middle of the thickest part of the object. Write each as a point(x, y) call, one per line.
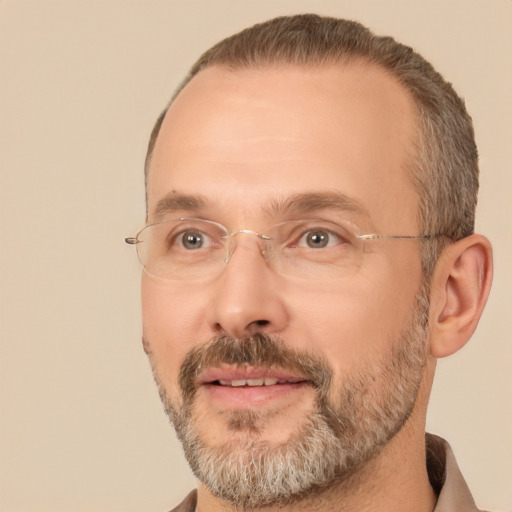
point(459, 288)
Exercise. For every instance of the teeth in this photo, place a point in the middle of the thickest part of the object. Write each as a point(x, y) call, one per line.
point(268, 381)
point(255, 382)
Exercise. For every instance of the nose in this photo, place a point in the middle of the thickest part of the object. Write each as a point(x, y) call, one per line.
point(247, 296)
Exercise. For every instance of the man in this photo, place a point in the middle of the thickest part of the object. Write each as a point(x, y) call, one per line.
point(309, 253)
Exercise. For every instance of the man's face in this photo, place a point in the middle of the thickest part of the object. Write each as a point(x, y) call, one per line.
point(250, 149)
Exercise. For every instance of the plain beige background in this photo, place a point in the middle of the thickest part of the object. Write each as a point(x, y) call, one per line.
point(81, 84)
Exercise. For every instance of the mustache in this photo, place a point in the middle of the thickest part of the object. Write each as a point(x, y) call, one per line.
point(258, 350)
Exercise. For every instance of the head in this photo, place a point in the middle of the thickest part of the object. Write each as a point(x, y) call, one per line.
point(282, 364)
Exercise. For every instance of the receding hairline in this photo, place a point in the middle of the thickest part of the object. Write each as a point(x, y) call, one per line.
point(347, 60)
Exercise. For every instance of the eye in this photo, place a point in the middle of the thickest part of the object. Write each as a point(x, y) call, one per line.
point(192, 240)
point(319, 239)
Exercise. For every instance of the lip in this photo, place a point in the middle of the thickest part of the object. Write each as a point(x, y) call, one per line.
point(230, 373)
point(246, 396)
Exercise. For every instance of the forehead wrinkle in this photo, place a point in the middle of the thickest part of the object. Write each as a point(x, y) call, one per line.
point(310, 202)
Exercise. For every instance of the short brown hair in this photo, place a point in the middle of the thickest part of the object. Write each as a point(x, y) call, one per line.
point(444, 169)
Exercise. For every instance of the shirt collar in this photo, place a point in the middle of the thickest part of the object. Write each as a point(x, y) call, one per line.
point(446, 478)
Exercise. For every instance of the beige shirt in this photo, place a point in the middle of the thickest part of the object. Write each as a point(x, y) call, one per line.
point(444, 474)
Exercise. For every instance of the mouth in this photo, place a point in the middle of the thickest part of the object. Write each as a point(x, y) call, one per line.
point(264, 381)
point(250, 387)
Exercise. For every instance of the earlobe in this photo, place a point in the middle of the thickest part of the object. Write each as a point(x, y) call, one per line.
point(459, 290)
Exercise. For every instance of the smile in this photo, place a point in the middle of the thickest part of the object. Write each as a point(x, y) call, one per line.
point(248, 387)
point(267, 381)
point(248, 376)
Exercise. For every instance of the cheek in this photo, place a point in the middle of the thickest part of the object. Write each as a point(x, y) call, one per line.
point(357, 321)
point(171, 326)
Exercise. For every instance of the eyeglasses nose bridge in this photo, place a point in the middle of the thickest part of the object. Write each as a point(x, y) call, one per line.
point(232, 245)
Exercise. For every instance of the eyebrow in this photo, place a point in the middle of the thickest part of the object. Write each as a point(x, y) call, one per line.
point(297, 203)
point(178, 202)
point(313, 201)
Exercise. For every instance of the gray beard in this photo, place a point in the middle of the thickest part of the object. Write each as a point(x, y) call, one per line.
point(347, 429)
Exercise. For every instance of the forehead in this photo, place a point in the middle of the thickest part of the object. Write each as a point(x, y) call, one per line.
point(242, 138)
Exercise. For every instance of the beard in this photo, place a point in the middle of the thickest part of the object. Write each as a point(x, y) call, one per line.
point(349, 426)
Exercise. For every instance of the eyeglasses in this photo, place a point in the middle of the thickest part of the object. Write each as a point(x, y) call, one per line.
point(195, 249)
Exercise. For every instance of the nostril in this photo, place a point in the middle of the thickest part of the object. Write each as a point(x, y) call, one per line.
point(256, 326)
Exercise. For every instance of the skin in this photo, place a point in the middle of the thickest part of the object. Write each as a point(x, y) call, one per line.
point(242, 139)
